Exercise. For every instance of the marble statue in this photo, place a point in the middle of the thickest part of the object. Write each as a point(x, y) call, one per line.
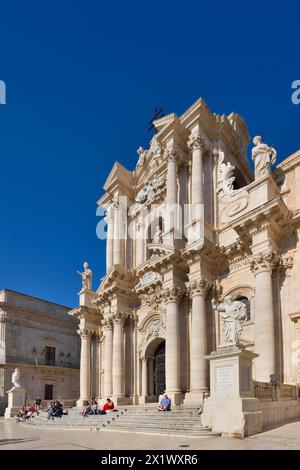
point(263, 157)
point(158, 235)
point(155, 328)
point(233, 313)
point(142, 155)
point(86, 277)
point(149, 189)
point(15, 378)
point(155, 146)
point(226, 177)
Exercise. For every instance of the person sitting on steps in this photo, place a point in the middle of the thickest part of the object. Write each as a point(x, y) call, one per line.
point(165, 403)
point(109, 406)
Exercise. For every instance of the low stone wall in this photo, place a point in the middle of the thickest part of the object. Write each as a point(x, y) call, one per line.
point(278, 403)
point(279, 412)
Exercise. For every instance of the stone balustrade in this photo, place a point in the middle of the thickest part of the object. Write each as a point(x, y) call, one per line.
point(65, 403)
point(266, 391)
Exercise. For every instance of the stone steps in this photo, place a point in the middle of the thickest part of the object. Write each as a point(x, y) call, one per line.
point(140, 418)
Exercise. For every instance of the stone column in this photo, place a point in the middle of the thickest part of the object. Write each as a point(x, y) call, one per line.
point(85, 366)
point(150, 376)
point(171, 199)
point(171, 177)
point(144, 378)
point(117, 235)
point(262, 266)
point(118, 358)
point(3, 320)
point(110, 239)
point(198, 376)
point(196, 144)
point(108, 342)
point(173, 296)
point(139, 243)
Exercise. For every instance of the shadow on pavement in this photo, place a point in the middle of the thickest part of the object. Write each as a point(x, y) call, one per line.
point(14, 441)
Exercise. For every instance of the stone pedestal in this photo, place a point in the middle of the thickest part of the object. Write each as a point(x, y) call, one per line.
point(16, 399)
point(231, 408)
point(85, 298)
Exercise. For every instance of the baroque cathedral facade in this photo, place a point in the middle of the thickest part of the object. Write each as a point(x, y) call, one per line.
point(190, 226)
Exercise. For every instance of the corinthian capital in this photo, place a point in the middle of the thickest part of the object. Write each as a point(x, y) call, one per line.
point(196, 142)
point(265, 261)
point(118, 318)
point(172, 154)
point(173, 294)
point(84, 333)
point(200, 287)
point(106, 324)
point(3, 316)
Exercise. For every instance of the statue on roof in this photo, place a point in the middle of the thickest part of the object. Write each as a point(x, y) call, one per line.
point(86, 277)
point(263, 157)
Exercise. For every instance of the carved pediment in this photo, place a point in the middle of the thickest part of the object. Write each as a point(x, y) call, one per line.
point(119, 175)
point(150, 190)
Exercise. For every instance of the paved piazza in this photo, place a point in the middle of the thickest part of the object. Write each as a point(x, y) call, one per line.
point(17, 437)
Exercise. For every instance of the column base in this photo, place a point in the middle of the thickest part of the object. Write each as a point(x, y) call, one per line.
point(147, 399)
point(79, 402)
point(194, 397)
point(176, 398)
point(120, 400)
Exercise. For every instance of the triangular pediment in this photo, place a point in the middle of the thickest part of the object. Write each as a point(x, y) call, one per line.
point(118, 175)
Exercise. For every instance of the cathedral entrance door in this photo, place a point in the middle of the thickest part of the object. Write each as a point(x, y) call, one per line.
point(159, 369)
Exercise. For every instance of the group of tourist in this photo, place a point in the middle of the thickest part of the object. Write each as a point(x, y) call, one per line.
point(25, 413)
point(53, 410)
point(94, 409)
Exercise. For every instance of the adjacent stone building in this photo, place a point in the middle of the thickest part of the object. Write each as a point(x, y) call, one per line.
point(40, 339)
point(190, 224)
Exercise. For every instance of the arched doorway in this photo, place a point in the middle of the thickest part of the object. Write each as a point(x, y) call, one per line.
point(159, 369)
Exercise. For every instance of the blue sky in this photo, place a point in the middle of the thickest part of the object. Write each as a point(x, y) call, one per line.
point(83, 79)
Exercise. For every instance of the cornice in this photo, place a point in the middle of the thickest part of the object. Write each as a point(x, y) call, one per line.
point(273, 214)
point(42, 367)
point(35, 315)
point(87, 313)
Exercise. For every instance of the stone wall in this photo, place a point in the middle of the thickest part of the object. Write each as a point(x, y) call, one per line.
point(65, 382)
point(279, 412)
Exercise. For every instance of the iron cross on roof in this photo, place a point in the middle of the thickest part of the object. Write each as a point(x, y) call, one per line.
point(158, 113)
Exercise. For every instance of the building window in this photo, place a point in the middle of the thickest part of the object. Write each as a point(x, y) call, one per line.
point(246, 301)
point(49, 356)
point(48, 392)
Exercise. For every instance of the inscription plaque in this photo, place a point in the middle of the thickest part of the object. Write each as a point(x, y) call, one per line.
point(224, 379)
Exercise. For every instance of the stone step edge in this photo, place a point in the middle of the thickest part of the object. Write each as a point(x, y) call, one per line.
point(107, 429)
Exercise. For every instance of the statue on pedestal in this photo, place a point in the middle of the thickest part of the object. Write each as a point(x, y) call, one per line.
point(15, 378)
point(86, 277)
point(233, 313)
point(263, 157)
